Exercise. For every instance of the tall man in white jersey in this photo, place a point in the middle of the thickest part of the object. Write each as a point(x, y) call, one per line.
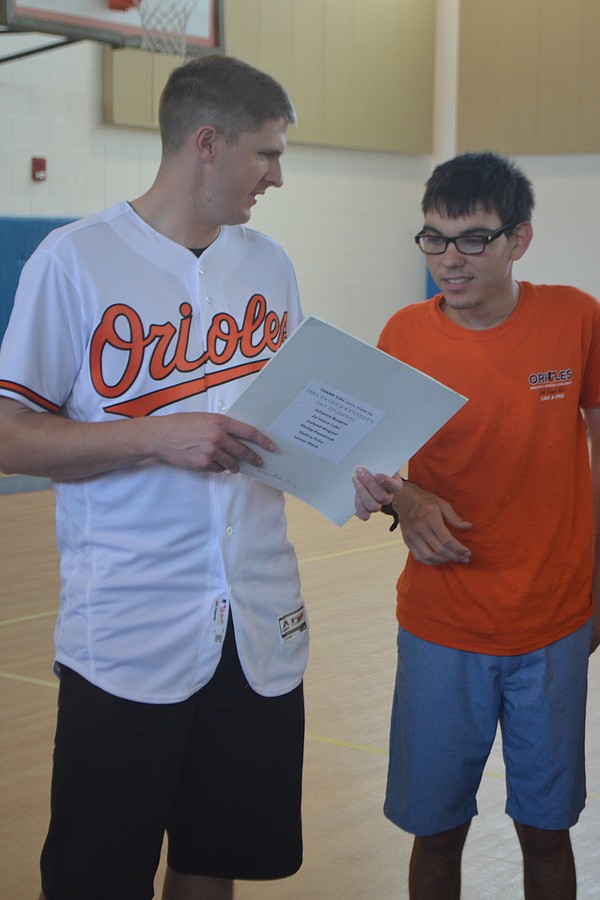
point(180, 702)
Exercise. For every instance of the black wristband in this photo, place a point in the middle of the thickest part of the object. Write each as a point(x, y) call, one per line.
point(389, 510)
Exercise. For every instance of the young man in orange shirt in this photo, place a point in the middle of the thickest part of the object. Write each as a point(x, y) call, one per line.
point(495, 604)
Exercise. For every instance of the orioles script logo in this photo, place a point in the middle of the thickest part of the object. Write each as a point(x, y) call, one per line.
point(167, 346)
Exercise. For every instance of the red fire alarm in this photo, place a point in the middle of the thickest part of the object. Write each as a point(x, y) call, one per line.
point(38, 168)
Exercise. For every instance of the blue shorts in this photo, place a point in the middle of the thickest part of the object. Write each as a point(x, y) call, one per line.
point(446, 710)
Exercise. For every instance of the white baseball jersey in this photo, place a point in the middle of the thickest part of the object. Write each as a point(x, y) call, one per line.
point(114, 320)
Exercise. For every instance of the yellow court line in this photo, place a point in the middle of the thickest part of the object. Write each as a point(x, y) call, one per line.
point(351, 745)
point(368, 748)
point(301, 560)
point(308, 559)
point(31, 618)
point(349, 552)
point(11, 676)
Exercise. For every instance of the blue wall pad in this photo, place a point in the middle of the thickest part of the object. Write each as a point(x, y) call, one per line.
point(18, 239)
point(22, 484)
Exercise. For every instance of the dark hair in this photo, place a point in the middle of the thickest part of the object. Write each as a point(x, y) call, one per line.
point(230, 94)
point(457, 187)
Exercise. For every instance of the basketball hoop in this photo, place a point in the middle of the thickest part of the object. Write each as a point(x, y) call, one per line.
point(164, 24)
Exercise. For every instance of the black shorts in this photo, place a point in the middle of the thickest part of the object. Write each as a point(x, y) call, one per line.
point(220, 773)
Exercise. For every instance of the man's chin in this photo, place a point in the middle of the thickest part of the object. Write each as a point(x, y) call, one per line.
point(241, 217)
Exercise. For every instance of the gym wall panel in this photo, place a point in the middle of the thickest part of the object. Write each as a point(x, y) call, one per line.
point(360, 74)
point(285, 39)
point(529, 76)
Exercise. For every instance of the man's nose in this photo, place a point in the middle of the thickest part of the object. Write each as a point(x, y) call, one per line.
point(274, 174)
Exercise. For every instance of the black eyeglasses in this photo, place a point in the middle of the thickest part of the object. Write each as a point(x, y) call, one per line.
point(468, 244)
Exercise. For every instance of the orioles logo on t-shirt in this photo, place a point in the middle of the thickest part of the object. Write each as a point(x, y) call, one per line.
point(551, 384)
point(164, 350)
point(553, 376)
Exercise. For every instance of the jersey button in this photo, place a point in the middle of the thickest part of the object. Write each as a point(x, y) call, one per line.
point(229, 531)
point(222, 406)
point(208, 299)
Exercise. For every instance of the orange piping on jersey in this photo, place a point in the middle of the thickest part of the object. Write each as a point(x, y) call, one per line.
point(30, 395)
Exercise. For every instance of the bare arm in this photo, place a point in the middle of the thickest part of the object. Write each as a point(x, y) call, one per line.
point(425, 520)
point(592, 417)
point(38, 443)
point(424, 517)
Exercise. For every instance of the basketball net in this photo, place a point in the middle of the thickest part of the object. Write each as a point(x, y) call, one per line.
point(164, 24)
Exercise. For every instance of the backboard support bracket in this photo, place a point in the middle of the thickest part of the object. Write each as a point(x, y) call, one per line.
point(43, 48)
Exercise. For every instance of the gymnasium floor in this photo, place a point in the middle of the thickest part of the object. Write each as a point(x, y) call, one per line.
point(351, 851)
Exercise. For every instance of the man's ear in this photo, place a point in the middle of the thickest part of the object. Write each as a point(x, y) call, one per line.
point(204, 141)
point(522, 238)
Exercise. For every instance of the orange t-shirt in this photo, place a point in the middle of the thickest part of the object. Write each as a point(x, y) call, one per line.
point(513, 462)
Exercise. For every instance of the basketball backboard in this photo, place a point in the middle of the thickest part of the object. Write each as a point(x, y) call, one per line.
point(107, 21)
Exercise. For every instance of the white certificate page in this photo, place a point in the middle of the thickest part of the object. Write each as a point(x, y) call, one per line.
point(332, 403)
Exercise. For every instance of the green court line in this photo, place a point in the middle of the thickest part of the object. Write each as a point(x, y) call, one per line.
point(30, 618)
point(27, 679)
